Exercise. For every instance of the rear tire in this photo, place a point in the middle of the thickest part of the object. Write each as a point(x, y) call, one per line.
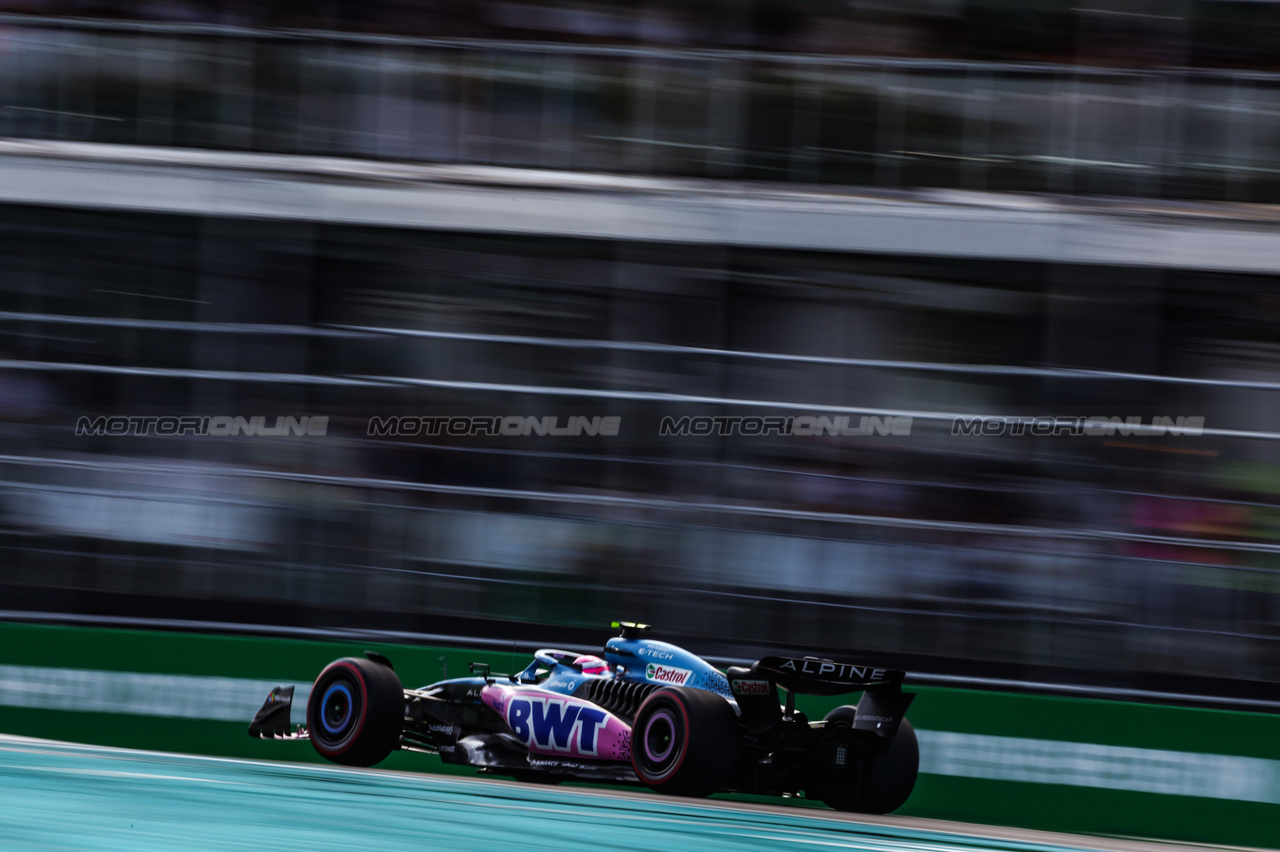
point(882, 783)
point(684, 741)
point(356, 712)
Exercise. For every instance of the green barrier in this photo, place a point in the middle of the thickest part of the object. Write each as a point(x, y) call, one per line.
point(1060, 764)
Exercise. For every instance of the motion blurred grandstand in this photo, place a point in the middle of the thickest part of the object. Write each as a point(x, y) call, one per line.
point(921, 213)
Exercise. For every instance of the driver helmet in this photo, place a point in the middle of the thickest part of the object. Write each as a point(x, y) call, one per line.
point(592, 665)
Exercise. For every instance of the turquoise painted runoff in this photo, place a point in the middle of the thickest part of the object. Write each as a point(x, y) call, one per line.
point(73, 797)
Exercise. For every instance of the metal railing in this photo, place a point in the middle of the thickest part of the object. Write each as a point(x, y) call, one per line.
point(1173, 133)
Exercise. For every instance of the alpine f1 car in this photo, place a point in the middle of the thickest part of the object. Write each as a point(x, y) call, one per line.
point(648, 713)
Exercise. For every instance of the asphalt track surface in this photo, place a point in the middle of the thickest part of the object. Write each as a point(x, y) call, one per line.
point(62, 796)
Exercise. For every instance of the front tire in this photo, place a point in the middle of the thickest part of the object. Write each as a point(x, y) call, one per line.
point(684, 741)
point(881, 783)
point(356, 712)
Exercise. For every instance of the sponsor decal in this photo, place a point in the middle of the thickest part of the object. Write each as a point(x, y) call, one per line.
point(440, 729)
point(839, 671)
point(752, 687)
point(557, 724)
point(665, 674)
point(656, 654)
point(559, 764)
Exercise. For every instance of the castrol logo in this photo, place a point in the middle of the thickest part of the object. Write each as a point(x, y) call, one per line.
point(665, 674)
point(752, 687)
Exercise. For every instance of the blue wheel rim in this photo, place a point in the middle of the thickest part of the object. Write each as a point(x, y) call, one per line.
point(342, 723)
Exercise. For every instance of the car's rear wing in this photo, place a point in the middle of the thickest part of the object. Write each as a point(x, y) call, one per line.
point(878, 715)
point(814, 676)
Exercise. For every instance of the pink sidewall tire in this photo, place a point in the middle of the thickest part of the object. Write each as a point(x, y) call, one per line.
point(684, 741)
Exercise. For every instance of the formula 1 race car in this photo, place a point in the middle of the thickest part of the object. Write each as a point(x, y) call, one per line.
point(648, 712)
